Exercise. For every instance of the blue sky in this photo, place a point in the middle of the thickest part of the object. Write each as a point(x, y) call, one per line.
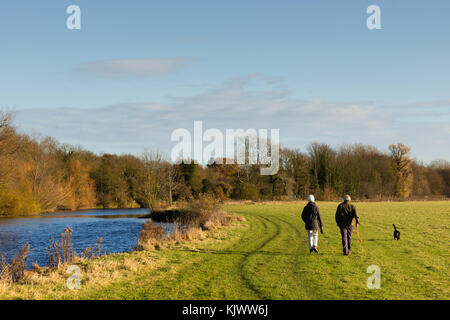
point(137, 70)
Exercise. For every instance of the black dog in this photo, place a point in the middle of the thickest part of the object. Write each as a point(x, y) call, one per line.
point(396, 233)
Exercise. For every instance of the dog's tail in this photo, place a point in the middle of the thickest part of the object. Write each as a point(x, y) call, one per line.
point(395, 227)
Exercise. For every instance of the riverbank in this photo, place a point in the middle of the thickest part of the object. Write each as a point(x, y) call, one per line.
point(266, 257)
point(102, 277)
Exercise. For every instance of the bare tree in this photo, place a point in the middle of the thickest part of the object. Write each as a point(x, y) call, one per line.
point(172, 180)
point(47, 180)
point(152, 186)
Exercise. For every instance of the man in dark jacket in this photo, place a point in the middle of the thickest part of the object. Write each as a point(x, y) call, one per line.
point(313, 221)
point(345, 214)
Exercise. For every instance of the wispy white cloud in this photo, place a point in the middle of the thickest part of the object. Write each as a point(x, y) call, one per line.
point(437, 111)
point(132, 68)
point(445, 103)
point(133, 127)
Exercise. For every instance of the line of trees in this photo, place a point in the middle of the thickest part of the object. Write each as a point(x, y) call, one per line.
point(38, 175)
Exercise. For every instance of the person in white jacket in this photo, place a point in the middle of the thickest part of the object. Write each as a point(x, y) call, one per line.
point(313, 222)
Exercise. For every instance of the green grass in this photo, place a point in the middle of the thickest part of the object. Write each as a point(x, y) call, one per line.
point(267, 257)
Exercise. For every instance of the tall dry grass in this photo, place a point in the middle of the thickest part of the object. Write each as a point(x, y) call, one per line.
point(14, 271)
point(190, 221)
point(60, 255)
point(93, 251)
point(62, 252)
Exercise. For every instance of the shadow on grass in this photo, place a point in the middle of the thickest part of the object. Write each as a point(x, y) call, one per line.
point(242, 253)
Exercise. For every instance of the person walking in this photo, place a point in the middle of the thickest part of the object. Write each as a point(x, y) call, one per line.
point(345, 214)
point(313, 221)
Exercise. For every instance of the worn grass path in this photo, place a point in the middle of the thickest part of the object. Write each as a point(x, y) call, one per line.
point(266, 257)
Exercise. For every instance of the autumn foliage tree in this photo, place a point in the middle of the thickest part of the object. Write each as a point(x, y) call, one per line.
point(402, 165)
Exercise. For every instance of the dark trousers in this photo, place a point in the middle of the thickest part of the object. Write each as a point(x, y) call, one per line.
point(346, 234)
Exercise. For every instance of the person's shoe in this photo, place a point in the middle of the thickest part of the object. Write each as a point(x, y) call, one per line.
point(315, 250)
point(311, 251)
point(350, 252)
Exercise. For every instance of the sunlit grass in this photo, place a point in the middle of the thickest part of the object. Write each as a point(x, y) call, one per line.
point(267, 257)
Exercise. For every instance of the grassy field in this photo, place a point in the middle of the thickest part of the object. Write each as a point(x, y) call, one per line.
point(267, 257)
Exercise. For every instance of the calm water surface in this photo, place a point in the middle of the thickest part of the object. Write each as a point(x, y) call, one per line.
point(118, 228)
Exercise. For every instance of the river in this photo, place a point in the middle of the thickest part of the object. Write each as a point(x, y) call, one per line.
point(119, 229)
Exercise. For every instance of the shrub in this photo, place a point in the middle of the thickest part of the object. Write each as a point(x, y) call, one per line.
point(150, 235)
point(15, 271)
point(199, 211)
point(246, 191)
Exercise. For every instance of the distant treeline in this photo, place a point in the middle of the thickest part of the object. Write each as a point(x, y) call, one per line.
point(38, 175)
